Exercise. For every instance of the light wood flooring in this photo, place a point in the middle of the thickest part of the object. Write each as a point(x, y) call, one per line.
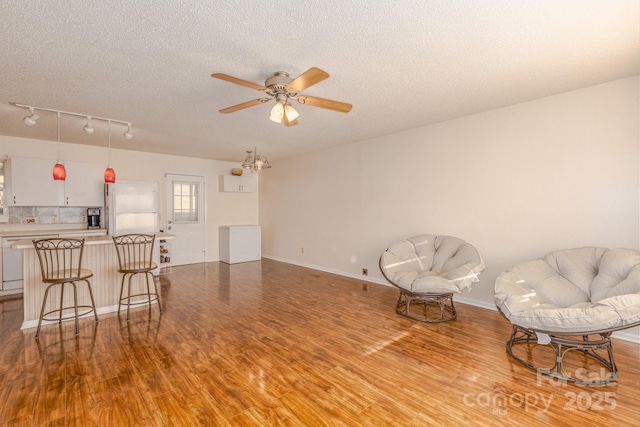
point(268, 343)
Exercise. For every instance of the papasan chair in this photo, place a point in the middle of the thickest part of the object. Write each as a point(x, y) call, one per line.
point(570, 301)
point(428, 270)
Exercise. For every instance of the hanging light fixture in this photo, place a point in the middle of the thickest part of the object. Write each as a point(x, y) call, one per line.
point(254, 162)
point(109, 173)
point(59, 172)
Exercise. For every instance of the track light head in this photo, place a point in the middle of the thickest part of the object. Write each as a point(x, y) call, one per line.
point(31, 119)
point(128, 134)
point(88, 128)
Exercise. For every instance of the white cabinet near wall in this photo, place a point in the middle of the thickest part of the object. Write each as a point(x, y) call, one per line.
point(240, 243)
point(238, 184)
point(30, 183)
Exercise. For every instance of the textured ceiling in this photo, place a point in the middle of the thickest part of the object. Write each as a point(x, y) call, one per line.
point(402, 64)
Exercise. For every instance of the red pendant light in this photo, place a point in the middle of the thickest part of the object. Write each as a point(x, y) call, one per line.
point(109, 176)
point(59, 172)
point(109, 173)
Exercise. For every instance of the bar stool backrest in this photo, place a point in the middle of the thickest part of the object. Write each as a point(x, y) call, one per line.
point(135, 252)
point(60, 259)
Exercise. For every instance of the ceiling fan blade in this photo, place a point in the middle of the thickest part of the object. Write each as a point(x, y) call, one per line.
point(308, 78)
point(289, 123)
point(245, 105)
point(342, 107)
point(238, 81)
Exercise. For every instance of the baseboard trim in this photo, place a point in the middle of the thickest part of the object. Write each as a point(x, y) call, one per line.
point(621, 335)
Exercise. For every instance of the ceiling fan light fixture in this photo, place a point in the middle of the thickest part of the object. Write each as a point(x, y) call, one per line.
point(31, 119)
point(277, 112)
point(291, 112)
point(88, 128)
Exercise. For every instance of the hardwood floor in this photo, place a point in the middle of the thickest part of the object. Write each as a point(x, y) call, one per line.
point(268, 343)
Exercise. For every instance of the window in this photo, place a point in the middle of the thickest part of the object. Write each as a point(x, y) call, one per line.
point(185, 202)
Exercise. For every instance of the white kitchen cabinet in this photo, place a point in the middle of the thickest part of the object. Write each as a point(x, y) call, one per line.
point(84, 185)
point(240, 243)
point(238, 184)
point(30, 183)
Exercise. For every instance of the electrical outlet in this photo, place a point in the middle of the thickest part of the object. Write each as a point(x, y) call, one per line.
point(30, 220)
point(54, 219)
point(84, 218)
point(365, 272)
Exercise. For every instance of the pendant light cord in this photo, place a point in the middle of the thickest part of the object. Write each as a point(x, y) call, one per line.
point(109, 129)
point(59, 137)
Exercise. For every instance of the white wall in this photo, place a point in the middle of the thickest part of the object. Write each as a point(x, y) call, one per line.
point(516, 182)
point(221, 208)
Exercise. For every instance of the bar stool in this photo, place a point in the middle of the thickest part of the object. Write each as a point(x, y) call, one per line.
point(135, 256)
point(61, 263)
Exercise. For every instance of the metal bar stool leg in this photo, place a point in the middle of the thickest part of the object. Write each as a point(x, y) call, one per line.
point(61, 302)
point(155, 285)
point(93, 303)
point(44, 303)
point(129, 298)
point(75, 306)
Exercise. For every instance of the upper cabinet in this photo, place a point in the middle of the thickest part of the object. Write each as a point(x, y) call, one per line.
point(30, 183)
point(238, 184)
point(84, 185)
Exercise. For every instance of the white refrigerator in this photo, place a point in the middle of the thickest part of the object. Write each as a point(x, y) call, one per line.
point(132, 207)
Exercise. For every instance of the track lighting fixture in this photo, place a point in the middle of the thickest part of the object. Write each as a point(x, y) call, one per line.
point(31, 119)
point(88, 128)
point(127, 133)
point(59, 172)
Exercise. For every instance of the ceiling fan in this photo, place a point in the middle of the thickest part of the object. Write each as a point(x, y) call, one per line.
point(283, 89)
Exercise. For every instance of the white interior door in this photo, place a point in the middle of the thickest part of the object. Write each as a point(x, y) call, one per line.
point(185, 218)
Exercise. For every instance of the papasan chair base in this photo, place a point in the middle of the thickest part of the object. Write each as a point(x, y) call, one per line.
point(564, 307)
point(594, 347)
point(419, 306)
point(428, 269)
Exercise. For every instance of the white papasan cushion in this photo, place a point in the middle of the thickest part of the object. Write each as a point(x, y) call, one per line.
point(432, 264)
point(573, 291)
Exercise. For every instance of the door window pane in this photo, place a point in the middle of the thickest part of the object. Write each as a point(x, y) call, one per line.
point(185, 202)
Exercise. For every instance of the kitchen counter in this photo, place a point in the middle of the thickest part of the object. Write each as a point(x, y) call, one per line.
point(39, 229)
point(99, 256)
point(88, 240)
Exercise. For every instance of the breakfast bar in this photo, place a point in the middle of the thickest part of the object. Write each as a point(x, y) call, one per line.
point(99, 256)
